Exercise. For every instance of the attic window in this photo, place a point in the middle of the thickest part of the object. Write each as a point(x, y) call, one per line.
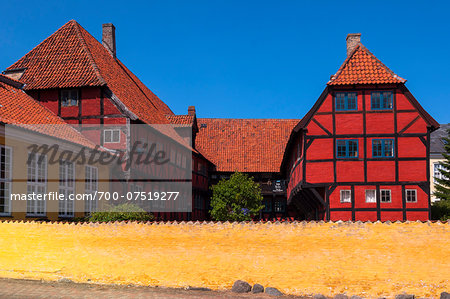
point(202, 125)
point(69, 97)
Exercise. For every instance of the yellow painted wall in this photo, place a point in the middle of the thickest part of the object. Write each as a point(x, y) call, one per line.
point(368, 259)
point(19, 154)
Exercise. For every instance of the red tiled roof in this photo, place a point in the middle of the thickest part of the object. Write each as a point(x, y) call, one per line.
point(181, 120)
point(71, 57)
point(362, 67)
point(246, 145)
point(19, 109)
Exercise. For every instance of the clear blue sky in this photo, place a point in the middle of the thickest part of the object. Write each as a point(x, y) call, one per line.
point(250, 59)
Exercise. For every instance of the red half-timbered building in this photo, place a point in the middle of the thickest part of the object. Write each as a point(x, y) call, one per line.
point(362, 151)
point(82, 81)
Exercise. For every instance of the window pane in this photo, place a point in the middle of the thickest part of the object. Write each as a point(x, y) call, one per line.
point(341, 148)
point(340, 101)
point(371, 196)
point(353, 148)
point(107, 137)
point(387, 100)
point(376, 100)
point(351, 101)
point(411, 195)
point(346, 196)
point(385, 196)
point(69, 98)
point(388, 148)
point(116, 136)
point(377, 149)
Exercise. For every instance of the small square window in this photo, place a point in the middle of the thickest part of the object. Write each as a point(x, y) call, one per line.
point(346, 101)
point(69, 97)
point(383, 148)
point(411, 195)
point(371, 196)
point(347, 148)
point(382, 100)
point(346, 196)
point(111, 136)
point(385, 195)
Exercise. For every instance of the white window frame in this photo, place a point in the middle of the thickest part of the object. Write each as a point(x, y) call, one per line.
point(6, 180)
point(34, 208)
point(90, 187)
point(415, 195)
point(343, 200)
point(66, 207)
point(390, 195)
point(375, 192)
point(111, 131)
point(436, 172)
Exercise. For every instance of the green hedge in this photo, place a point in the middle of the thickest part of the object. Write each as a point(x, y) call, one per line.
point(122, 212)
point(440, 210)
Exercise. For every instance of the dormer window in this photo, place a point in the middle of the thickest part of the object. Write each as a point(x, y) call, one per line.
point(346, 101)
point(69, 97)
point(381, 100)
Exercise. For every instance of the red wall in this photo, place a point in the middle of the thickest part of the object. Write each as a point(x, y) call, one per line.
point(409, 163)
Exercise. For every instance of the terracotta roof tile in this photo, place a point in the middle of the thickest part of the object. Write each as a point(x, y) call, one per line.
point(246, 145)
point(19, 109)
point(71, 57)
point(181, 120)
point(362, 67)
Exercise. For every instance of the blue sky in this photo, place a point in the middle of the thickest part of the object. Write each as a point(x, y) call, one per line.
point(250, 59)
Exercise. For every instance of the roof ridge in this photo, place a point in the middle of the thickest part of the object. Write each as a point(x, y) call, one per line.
point(383, 65)
point(135, 83)
point(88, 51)
point(363, 48)
point(223, 118)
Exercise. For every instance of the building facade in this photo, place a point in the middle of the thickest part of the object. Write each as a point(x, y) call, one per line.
point(436, 151)
point(362, 152)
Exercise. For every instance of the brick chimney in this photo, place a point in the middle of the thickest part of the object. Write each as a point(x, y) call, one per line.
point(191, 110)
point(353, 39)
point(109, 38)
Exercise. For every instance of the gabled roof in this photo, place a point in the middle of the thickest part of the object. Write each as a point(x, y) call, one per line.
point(436, 143)
point(21, 110)
point(362, 67)
point(245, 145)
point(71, 57)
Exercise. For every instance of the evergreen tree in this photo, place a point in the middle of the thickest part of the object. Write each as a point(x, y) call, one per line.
point(442, 185)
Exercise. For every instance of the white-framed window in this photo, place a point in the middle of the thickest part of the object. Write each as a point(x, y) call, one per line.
point(371, 195)
point(69, 97)
point(346, 195)
point(111, 136)
point(436, 173)
point(385, 195)
point(5, 180)
point(411, 195)
point(66, 187)
point(90, 187)
point(36, 184)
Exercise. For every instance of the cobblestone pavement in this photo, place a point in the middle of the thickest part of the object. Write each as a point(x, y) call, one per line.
point(15, 289)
